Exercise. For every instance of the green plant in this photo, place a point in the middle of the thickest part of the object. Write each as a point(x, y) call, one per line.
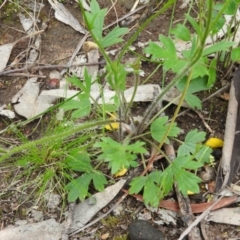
point(191, 155)
point(119, 155)
point(77, 154)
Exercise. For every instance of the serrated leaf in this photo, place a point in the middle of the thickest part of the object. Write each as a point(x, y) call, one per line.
point(167, 52)
point(187, 162)
point(78, 188)
point(186, 181)
point(203, 153)
point(193, 165)
point(137, 184)
point(189, 145)
point(79, 161)
point(159, 128)
point(151, 193)
point(99, 180)
point(193, 101)
point(196, 85)
point(117, 163)
point(113, 37)
point(166, 181)
point(200, 69)
point(176, 65)
point(169, 46)
point(75, 81)
point(73, 191)
point(155, 176)
point(156, 51)
point(136, 147)
point(83, 110)
point(96, 19)
point(86, 86)
point(107, 142)
point(181, 32)
point(118, 155)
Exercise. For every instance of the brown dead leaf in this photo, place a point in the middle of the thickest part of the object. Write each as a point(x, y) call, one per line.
point(196, 208)
point(105, 236)
point(225, 96)
point(88, 46)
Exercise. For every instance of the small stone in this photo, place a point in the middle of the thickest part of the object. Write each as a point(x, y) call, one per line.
point(53, 200)
point(37, 215)
point(143, 230)
point(52, 83)
point(20, 222)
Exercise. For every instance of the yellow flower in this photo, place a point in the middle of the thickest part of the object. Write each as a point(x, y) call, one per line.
point(121, 172)
point(112, 126)
point(214, 143)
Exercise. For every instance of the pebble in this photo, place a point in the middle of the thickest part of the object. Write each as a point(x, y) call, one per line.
point(143, 230)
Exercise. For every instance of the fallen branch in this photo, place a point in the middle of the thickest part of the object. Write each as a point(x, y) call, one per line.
point(197, 220)
point(40, 67)
point(229, 162)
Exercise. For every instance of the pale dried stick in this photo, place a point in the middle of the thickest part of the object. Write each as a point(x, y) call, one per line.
point(204, 122)
point(198, 219)
point(229, 135)
point(113, 6)
point(3, 4)
point(134, 6)
point(49, 67)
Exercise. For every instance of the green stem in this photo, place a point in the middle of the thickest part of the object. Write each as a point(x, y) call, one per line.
point(152, 73)
point(177, 110)
point(195, 59)
point(172, 17)
point(62, 135)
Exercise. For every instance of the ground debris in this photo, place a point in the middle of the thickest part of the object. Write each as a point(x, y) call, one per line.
point(143, 230)
point(45, 230)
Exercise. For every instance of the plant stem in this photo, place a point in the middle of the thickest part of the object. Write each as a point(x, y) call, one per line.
point(62, 135)
point(195, 59)
point(177, 110)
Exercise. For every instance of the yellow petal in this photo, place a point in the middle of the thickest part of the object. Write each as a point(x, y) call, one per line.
point(214, 142)
point(112, 126)
point(121, 172)
point(190, 193)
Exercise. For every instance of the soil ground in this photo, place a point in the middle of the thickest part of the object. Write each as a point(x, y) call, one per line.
point(58, 44)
